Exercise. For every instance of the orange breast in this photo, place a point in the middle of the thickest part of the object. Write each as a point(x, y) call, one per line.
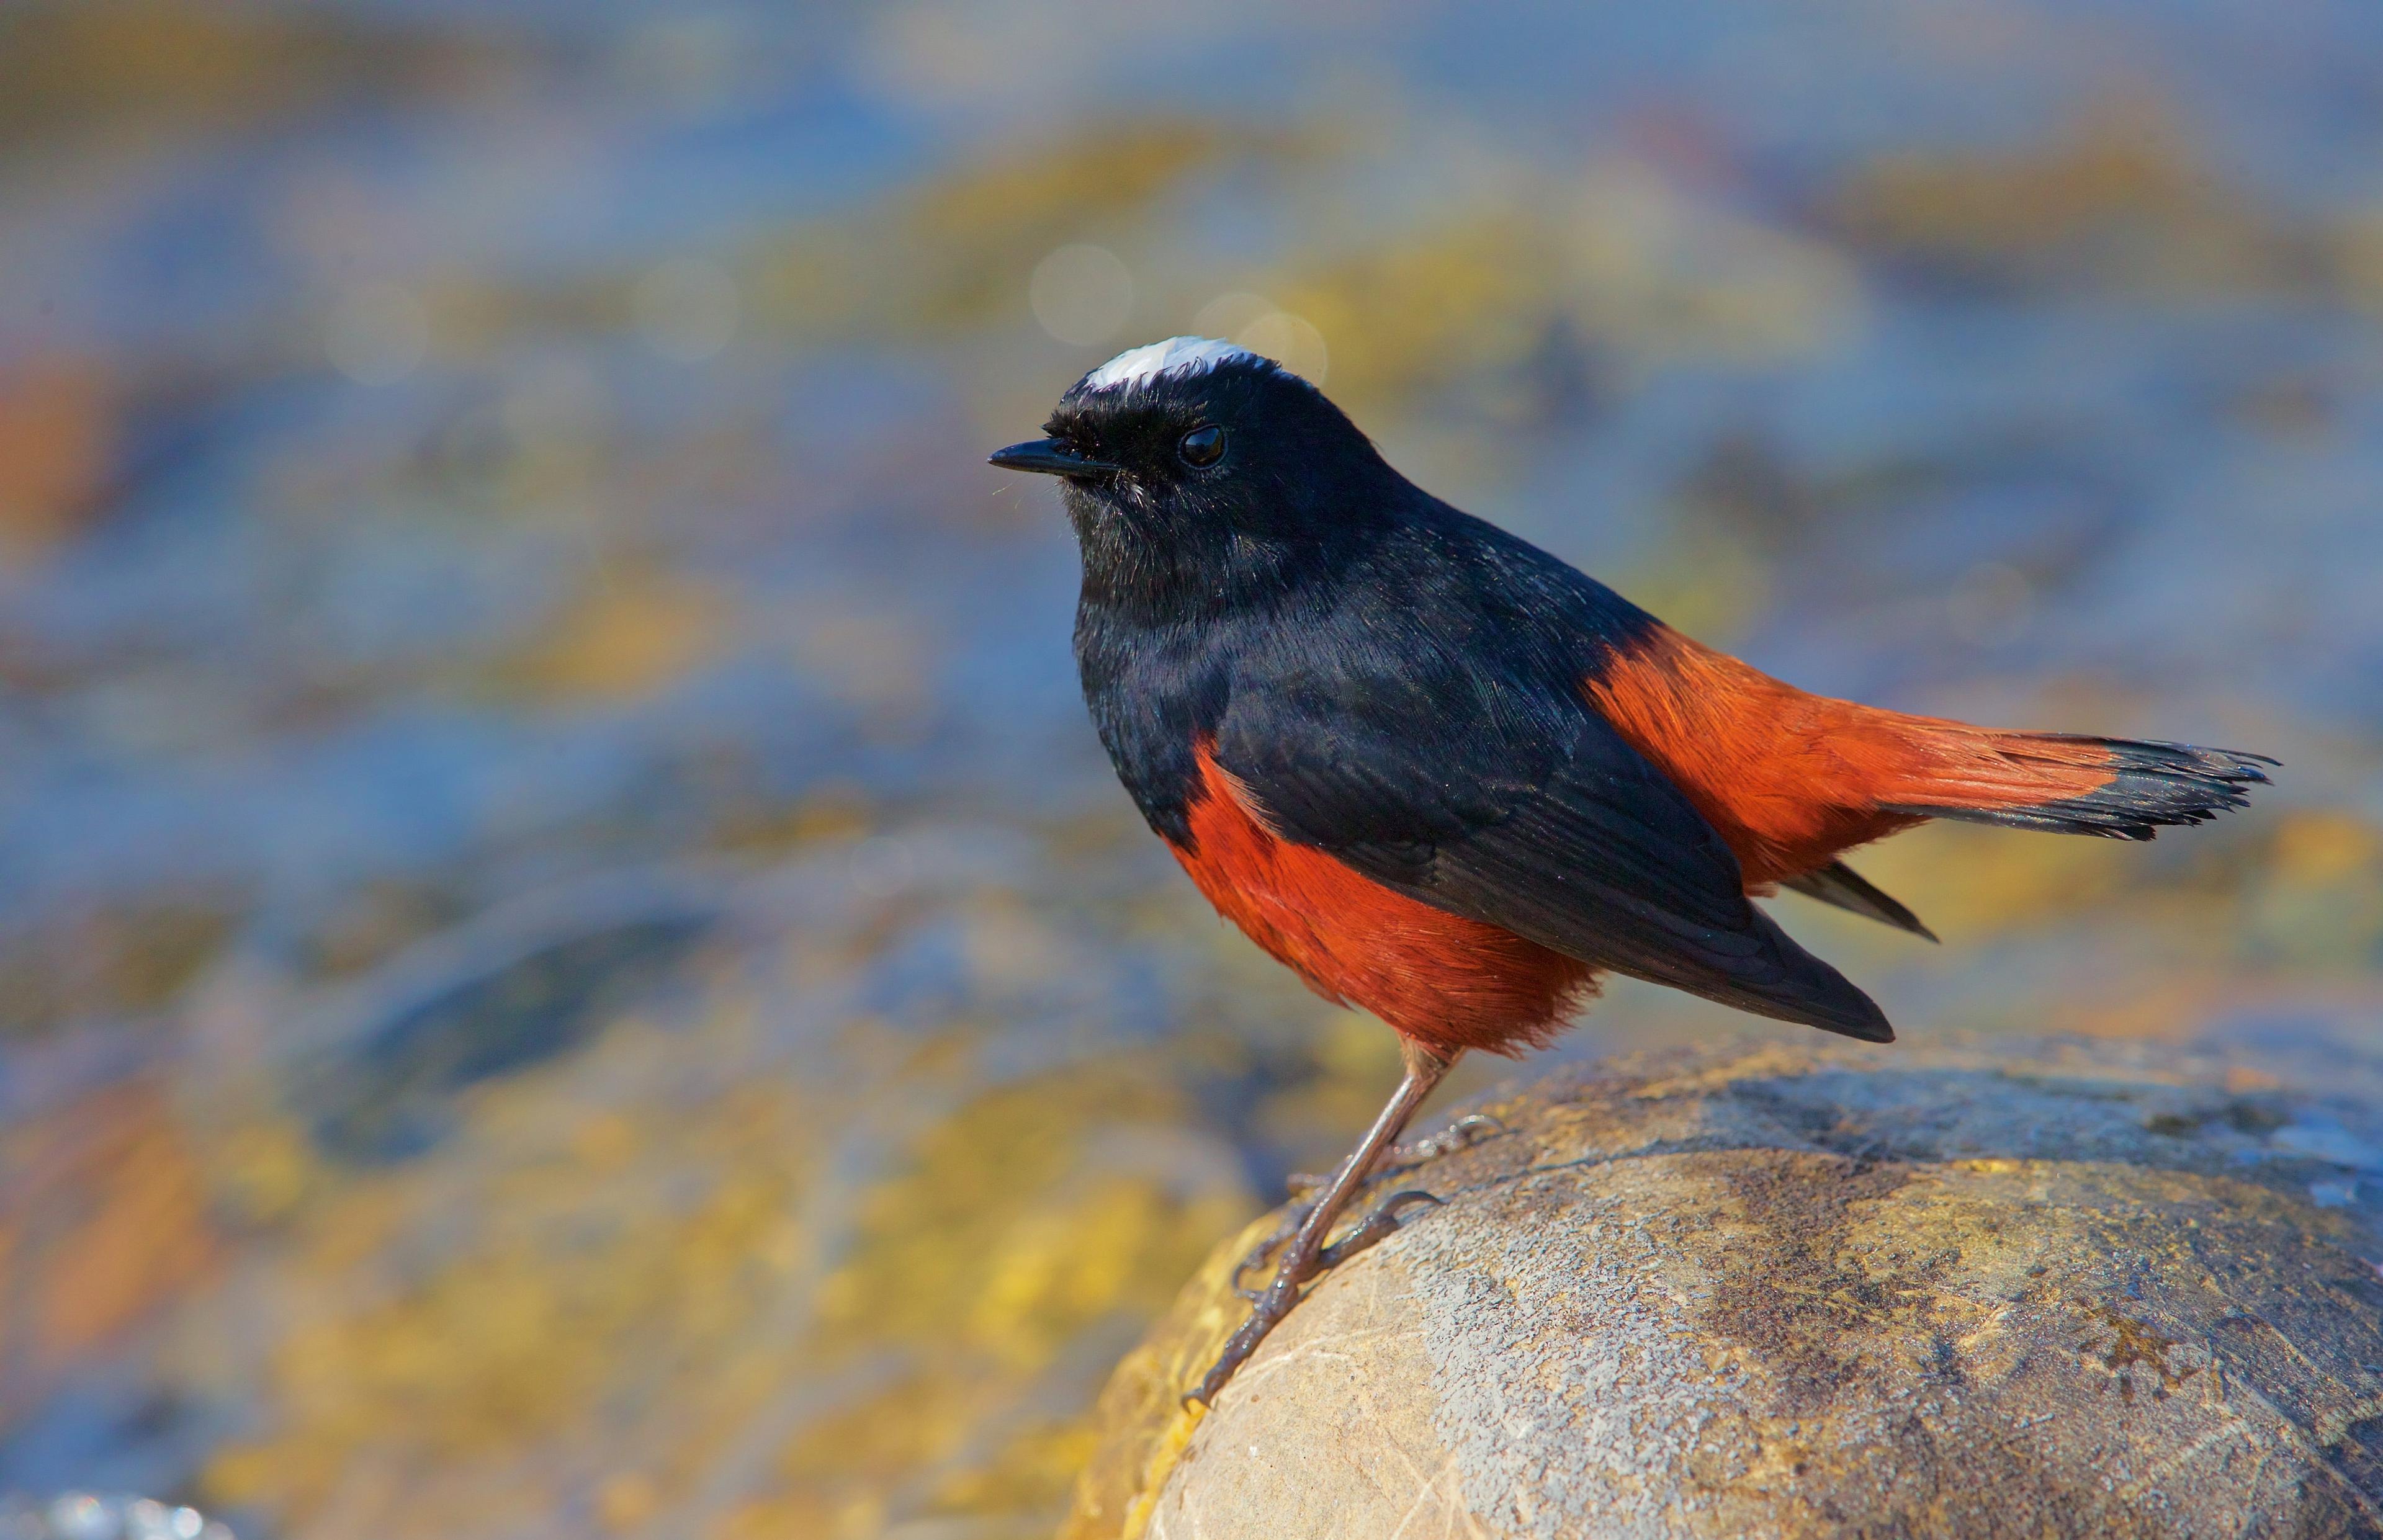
point(1447, 982)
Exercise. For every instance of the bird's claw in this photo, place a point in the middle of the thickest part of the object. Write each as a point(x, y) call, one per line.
point(1309, 1223)
point(1372, 1230)
point(1270, 1304)
point(1293, 1218)
point(1462, 1134)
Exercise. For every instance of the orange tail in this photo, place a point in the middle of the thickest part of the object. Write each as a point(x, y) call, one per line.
point(1790, 780)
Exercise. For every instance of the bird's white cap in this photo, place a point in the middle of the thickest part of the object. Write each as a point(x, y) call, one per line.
point(1179, 357)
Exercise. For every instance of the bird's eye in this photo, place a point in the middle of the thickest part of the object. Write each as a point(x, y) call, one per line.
point(1201, 445)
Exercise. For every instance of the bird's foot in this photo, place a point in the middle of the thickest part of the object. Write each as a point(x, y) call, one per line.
point(1462, 1134)
point(1266, 1310)
point(1270, 1305)
point(1293, 1218)
point(1307, 1254)
point(1237, 1347)
point(1372, 1230)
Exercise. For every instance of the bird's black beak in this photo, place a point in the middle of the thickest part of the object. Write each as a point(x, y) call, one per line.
point(1051, 458)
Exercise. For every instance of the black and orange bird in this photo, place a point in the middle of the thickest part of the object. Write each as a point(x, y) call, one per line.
point(1446, 778)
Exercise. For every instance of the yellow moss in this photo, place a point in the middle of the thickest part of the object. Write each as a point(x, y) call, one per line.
point(629, 635)
point(910, 1426)
point(796, 1517)
point(1165, 1451)
point(1410, 313)
point(981, 1185)
point(1101, 170)
point(1050, 1266)
point(1975, 883)
point(1143, 1422)
point(956, 251)
point(838, 811)
point(1032, 1474)
point(516, 1337)
point(2116, 192)
point(570, 1288)
point(261, 1170)
point(626, 1501)
point(2320, 898)
point(2323, 846)
point(608, 1141)
point(1357, 1048)
point(167, 62)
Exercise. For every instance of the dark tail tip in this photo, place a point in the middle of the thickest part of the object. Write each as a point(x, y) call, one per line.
point(2152, 785)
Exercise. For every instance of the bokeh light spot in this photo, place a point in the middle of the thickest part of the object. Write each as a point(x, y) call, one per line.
point(1228, 315)
point(1291, 341)
point(78, 1515)
point(1259, 324)
point(1081, 294)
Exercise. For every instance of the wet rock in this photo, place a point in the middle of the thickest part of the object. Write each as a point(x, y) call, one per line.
point(496, 1002)
point(2056, 1289)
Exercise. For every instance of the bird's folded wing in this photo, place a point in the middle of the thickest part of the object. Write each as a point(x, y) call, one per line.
point(1559, 831)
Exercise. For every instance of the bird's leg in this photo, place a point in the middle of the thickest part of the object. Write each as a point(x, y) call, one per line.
point(1462, 1134)
point(1307, 1255)
point(1397, 1160)
point(1293, 1216)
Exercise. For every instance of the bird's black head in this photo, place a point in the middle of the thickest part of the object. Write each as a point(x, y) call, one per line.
point(1192, 461)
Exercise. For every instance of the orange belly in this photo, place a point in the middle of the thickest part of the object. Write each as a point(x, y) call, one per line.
point(1447, 982)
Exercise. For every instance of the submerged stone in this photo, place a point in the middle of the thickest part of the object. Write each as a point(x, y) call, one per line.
point(2047, 1289)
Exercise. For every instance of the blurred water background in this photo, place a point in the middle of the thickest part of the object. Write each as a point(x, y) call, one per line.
point(569, 964)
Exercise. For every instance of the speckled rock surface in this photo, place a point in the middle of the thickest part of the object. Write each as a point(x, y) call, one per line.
point(2042, 1289)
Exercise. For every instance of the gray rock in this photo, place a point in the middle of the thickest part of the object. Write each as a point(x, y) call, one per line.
point(2051, 1289)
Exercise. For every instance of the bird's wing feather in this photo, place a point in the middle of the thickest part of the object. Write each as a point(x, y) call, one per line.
point(1841, 885)
point(1532, 813)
